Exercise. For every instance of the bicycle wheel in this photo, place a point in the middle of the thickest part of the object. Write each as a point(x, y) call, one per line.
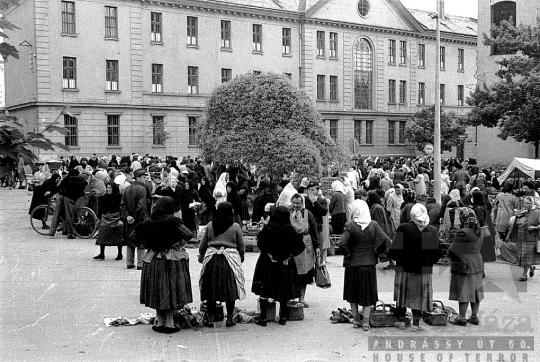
point(84, 222)
point(40, 214)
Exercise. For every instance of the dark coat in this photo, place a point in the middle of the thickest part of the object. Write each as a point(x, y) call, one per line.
point(319, 209)
point(379, 214)
point(360, 247)
point(465, 252)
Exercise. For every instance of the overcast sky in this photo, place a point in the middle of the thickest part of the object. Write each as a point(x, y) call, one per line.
point(454, 7)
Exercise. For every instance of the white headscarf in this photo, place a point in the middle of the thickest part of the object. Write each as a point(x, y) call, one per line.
point(221, 185)
point(419, 216)
point(305, 182)
point(286, 195)
point(360, 213)
point(338, 186)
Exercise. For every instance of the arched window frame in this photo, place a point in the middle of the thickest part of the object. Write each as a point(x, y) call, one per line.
point(370, 102)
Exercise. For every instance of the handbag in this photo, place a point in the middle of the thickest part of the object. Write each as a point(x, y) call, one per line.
point(322, 278)
point(437, 316)
point(384, 257)
point(381, 316)
point(31, 186)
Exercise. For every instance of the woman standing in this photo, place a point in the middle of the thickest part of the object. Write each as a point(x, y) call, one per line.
point(504, 206)
point(242, 189)
point(360, 243)
point(448, 218)
point(483, 216)
point(415, 249)
point(409, 200)
point(110, 225)
point(220, 191)
point(275, 274)
point(378, 213)
point(467, 267)
point(445, 182)
point(337, 208)
point(39, 197)
point(187, 196)
point(524, 232)
point(234, 199)
point(165, 279)
point(222, 253)
point(205, 193)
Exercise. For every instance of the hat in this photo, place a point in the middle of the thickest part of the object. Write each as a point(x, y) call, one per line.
point(138, 173)
point(313, 184)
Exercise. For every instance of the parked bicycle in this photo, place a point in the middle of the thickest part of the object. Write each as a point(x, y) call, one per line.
point(85, 222)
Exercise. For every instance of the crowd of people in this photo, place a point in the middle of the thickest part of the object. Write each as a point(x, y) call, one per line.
point(381, 210)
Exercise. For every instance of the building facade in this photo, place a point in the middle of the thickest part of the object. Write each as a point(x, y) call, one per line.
point(123, 76)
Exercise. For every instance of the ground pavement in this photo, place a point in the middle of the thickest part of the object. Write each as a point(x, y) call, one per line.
point(54, 298)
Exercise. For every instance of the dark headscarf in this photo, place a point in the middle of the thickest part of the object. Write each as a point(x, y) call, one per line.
point(467, 219)
point(223, 218)
point(163, 207)
point(373, 198)
point(73, 172)
point(281, 216)
point(234, 198)
point(409, 196)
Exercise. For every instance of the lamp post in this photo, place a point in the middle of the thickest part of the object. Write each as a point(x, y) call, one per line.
point(437, 126)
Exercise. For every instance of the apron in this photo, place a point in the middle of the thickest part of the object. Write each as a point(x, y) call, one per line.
point(305, 261)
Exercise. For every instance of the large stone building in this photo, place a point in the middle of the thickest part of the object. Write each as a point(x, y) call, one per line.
point(114, 72)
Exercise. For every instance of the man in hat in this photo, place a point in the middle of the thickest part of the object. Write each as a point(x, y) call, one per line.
point(134, 210)
point(318, 205)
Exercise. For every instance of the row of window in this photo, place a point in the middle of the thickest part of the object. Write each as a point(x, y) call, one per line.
point(421, 93)
point(366, 137)
point(422, 55)
point(321, 87)
point(113, 130)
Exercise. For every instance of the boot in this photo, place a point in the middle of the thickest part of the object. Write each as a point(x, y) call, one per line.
point(264, 310)
point(283, 313)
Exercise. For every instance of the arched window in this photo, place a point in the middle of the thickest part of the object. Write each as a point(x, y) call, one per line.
point(363, 75)
point(503, 10)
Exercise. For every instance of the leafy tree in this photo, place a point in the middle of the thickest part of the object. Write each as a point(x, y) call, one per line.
point(453, 133)
point(263, 120)
point(6, 49)
point(512, 103)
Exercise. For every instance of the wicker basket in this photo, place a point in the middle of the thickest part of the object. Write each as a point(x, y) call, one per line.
point(270, 311)
point(295, 311)
point(435, 318)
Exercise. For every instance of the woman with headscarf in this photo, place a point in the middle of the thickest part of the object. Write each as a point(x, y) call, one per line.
point(503, 209)
point(420, 181)
point(97, 190)
point(72, 162)
point(409, 199)
point(349, 197)
point(265, 196)
point(275, 274)
point(524, 232)
point(361, 242)
point(448, 217)
point(220, 191)
point(303, 185)
point(222, 253)
point(39, 197)
point(188, 196)
point(110, 224)
point(165, 278)
point(394, 200)
point(234, 199)
point(445, 182)
point(467, 267)
point(206, 196)
point(415, 249)
point(483, 215)
point(242, 189)
point(338, 207)
point(286, 195)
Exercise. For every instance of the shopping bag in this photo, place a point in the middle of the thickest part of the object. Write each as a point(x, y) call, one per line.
point(322, 278)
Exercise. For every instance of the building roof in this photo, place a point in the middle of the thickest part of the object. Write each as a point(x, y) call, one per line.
point(450, 23)
point(287, 5)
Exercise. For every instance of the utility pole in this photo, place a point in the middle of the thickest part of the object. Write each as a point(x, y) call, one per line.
point(437, 128)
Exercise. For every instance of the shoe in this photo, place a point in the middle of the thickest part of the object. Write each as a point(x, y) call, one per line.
point(400, 325)
point(52, 231)
point(460, 322)
point(365, 327)
point(45, 227)
point(64, 233)
point(70, 236)
point(99, 257)
point(131, 266)
point(139, 268)
point(305, 304)
point(523, 279)
point(473, 320)
point(169, 330)
point(420, 328)
point(229, 323)
point(282, 321)
point(262, 322)
point(159, 329)
point(208, 324)
point(531, 271)
point(119, 257)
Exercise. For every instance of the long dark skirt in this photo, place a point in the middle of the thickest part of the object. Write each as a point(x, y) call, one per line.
point(338, 222)
point(466, 288)
point(308, 278)
point(412, 290)
point(487, 250)
point(275, 280)
point(218, 281)
point(166, 284)
point(38, 198)
point(245, 210)
point(110, 236)
point(360, 285)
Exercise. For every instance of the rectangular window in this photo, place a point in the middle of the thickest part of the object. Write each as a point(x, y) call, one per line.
point(111, 22)
point(358, 131)
point(113, 130)
point(192, 30)
point(286, 40)
point(156, 26)
point(193, 137)
point(369, 132)
point(392, 51)
point(392, 91)
point(70, 123)
point(158, 130)
point(460, 95)
point(225, 34)
point(320, 43)
point(112, 75)
point(226, 75)
point(193, 80)
point(257, 37)
point(443, 96)
point(402, 91)
point(402, 52)
point(333, 45)
point(320, 87)
point(157, 78)
point(69, 70)
point(421, 55)
point(333, 88)
point(443, 58)
point(334, 129)
point(68, 17)
point(402, 126)
point(422, 93)
point(461, 59)
point(391, 132)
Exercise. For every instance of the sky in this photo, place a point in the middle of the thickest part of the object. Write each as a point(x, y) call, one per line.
point(467, 8)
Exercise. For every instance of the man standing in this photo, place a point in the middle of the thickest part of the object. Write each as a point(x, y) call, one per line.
point(318, 205)
point(460, 179)
point(133, 208)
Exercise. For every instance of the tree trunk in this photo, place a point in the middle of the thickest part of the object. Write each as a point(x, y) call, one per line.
point(536, 146)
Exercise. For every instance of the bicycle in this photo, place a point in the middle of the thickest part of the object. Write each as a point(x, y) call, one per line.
point(85, 222)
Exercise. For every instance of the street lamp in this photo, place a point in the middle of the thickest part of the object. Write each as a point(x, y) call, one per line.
point(437, 127)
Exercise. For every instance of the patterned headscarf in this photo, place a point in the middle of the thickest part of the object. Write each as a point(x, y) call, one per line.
point(409, 196)
point(454, 195)
point(467, 219)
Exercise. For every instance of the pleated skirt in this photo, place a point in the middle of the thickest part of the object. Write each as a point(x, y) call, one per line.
point(526, 251)
point(467, 288)
point(275, 280)
point(218, 282)
point(413, 290)
point(110, 236)
point(360, 285)
point(166, 284)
